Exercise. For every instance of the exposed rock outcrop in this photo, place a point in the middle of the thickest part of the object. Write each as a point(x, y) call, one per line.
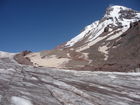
point(22, 59)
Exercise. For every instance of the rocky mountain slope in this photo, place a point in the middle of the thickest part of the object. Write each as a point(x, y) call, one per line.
point(109, 44)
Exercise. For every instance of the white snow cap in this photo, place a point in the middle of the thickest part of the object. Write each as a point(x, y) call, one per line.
point(112, 17)
point(114, 10)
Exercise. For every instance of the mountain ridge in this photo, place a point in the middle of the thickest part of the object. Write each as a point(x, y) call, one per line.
point(94, 48)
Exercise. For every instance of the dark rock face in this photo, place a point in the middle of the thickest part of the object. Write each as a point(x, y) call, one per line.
point(21, 59)
point(127, 14)
point(24, 53)
point(124, 52)
point(27, 85)
point(125, 57)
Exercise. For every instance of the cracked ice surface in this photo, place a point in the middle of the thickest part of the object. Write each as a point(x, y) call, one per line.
point(26, 85)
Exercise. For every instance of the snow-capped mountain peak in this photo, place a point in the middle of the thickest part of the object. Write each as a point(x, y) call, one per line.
point(114, 11)
point(116, 20)
point(108, 44)
point(120, 13)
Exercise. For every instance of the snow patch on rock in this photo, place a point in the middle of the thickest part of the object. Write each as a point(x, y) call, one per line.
point(86, 46)
point(20, 101)
point(117, 34)
point(104, 50)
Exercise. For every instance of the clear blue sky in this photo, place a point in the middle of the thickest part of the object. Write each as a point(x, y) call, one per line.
point(43, 24)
